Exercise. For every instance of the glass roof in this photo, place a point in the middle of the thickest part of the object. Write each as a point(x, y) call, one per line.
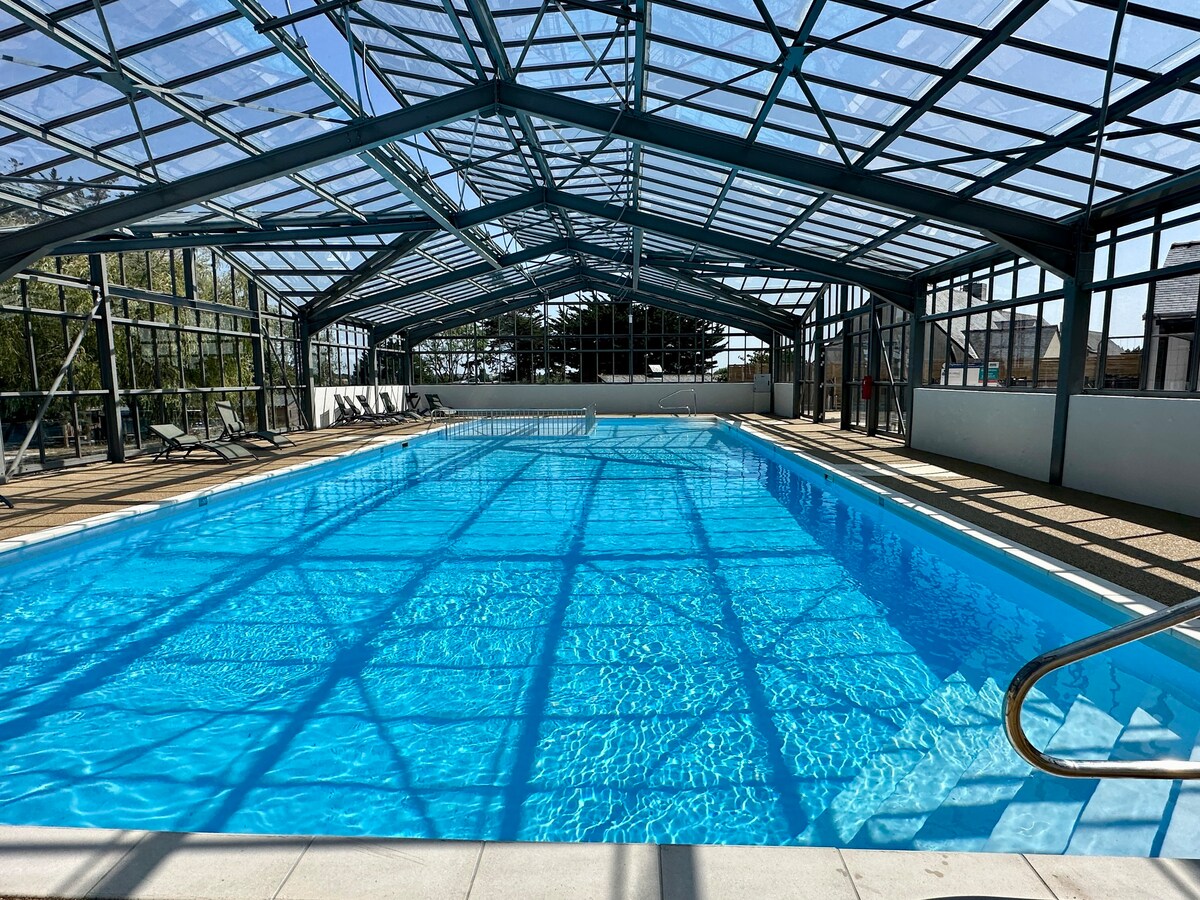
point(886, 135)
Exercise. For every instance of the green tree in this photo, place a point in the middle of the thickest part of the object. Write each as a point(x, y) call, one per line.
point(450, 356)
point(515, 345)
point(600, 340)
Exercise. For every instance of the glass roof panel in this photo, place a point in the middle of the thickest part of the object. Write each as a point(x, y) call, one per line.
point(210, 90)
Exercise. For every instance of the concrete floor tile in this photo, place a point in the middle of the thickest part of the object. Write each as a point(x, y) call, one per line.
point(58, 862)
point(910, 875)
point(575, 871)
point(761, 873)
point(1124, 877)
point(170, 866)
point(334, 869)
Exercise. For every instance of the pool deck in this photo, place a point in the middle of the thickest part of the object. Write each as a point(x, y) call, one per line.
point(1149, 551)
point(64, 862)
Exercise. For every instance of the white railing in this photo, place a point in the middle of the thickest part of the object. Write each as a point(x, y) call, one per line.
point(517, 422)
point(690, 410)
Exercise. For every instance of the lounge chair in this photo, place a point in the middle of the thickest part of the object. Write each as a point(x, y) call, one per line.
point(175, 438)
point(345, 416)
point(349, 414)
point(364, 403)
point(391, 409)
point(236, 430)
point(437, 408)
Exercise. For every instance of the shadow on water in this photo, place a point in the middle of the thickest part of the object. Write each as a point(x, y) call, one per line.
point(511, 779)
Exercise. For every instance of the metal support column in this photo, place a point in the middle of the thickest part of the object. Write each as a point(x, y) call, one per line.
point(1072, 360)
point(797, 384)
point(373, 362)
point(847, 362)
point(773, 368)
point(630, 308)
point(406, 376)
point(107, 353)
point(819, 359)
point(916, 357)
point(874, 344)
point(308, 397)
point(259, 358)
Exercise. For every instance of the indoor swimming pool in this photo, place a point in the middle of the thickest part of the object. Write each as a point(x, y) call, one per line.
point(656, 632)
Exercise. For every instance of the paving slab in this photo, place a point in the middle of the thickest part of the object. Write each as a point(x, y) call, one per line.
point(761, 873)
point(1123, 877)
point(59, 862)
point(172, 866)
point(577, 871)
point(334, 869)
point(912, 875)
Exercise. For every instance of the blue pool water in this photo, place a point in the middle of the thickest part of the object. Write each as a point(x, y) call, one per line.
point(654, 633)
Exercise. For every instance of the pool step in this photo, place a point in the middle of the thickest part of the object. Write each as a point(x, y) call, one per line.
point(966, 818)
point(1123, 816)
point(922, 790)
point(884, 770)
point(1181, 837)
point(1042, 815)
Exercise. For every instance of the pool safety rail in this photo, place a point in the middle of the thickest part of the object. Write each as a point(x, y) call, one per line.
point(690, 409)
point(1039, 667)
point(518, 422)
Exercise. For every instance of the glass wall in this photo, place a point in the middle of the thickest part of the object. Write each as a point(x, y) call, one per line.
point(589, 342)
point(183, 337)
point(848, 335)
point(995, 328)
point(1144, 306)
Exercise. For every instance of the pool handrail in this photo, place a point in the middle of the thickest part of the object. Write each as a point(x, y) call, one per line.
point(1040, 666)
point(690, 410)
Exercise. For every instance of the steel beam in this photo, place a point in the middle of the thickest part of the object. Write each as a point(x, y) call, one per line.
point(435, 282)
point(575, 281)
point(747, 314)
point(31, 243)
point(640, 296)
point(259, 358)
point(728, 300)
point(788, 166)
point(1072, 361)
point(374, 265)
point(276, 238)
point(517, 300)
point(106, 352)
point(894, 289)
point(407, 323)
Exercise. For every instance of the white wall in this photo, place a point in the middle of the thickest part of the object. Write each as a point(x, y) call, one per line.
point(1143, 449)
point(607, 398)
point(783, 399)
point(1005, 429)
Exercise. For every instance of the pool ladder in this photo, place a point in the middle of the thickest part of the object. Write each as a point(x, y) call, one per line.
point(690, 410)
point(1039, 667)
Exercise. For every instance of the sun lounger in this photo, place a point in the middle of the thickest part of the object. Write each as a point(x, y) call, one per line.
point(364, 403)
point(349, 414)
point(175, 439)
point(235, 428)
point(437, 408)
point(391, 408)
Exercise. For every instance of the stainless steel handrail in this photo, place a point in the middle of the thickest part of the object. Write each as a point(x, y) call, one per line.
point(691, 410)
point(1039, 667)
